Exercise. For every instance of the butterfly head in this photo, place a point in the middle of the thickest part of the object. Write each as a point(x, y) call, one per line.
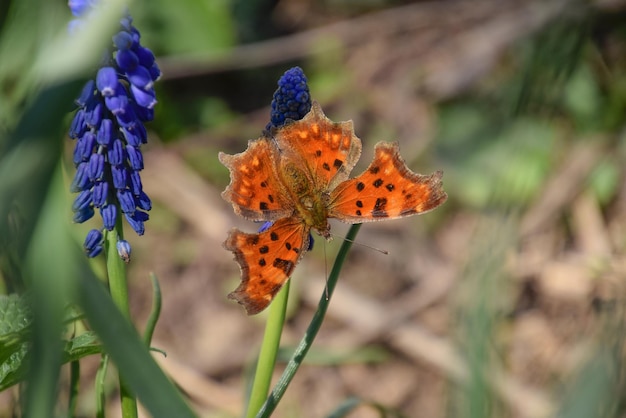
point(314, 213)
point(325, 232)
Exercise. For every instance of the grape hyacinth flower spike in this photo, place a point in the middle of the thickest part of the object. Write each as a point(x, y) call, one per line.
point(109, 130)
point(291, 100)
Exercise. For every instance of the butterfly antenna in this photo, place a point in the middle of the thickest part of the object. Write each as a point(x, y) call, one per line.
point(362, 245)
point(325, 270)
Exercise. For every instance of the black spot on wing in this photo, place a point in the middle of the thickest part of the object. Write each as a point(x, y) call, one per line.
point(262, 262)
point(285, 265)
point(326, 167)
point(390, 187)
point(273, 236)
point(337, 164)
point(377, 183)
point(374, 170)
point(264, 249)
point(263, 206)
point(379, 208)
point(360, 186)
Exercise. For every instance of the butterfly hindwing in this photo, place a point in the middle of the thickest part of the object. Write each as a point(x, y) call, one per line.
point(255, 190)
point(387, 189)
point(267, 260)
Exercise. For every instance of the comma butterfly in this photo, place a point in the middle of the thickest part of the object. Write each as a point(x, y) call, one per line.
point(297, 177)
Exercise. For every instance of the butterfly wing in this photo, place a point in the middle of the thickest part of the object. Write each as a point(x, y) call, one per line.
point(267, 260)
point(255, 190)
point(328, 150)
point(387, 189)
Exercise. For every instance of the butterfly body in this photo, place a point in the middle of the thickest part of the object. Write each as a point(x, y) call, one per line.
point(298, 177)
point(310, 205)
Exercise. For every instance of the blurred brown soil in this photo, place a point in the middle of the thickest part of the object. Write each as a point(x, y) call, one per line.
point(562, 260)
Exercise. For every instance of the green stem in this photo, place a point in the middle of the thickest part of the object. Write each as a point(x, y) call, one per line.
point(73, 395)
point(100, 389)
point(306, 342)
point(118, 286)
point(268, 352)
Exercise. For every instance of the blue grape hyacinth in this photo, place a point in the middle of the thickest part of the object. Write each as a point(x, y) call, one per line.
point(291, 100)
point(108, 128)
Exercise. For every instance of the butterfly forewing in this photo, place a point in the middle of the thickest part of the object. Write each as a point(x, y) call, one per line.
point(255, 190)
point(267, 260)
point(386, 190)
point(329, 150)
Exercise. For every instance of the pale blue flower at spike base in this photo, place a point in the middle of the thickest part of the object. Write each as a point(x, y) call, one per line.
point(123, 250)
point(109, 131)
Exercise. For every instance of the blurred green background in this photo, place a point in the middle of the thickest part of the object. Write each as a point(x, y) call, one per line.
point(505, 302)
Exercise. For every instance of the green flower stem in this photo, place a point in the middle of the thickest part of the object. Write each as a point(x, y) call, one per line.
point(100, 390)
point(306, 342)
point(118, 286)
point(268, 352)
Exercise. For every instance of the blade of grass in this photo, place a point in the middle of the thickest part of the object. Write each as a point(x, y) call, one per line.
point(482, 287)
point(311, 332)
point(51, 269)
point(592, 393)
point(155, 312)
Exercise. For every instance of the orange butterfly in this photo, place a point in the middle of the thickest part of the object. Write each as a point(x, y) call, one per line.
point(298, 178)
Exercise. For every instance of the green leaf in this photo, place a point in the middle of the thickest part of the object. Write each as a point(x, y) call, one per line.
point(15, 320)
point(15, 314)
point(81, 346)
point(13, 367)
